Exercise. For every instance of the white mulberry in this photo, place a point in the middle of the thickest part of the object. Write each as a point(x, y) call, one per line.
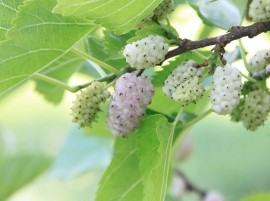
point(259, 10)
point(213, 196)
point(128, 103)
point(256, 109)
point(259, 61)
point(183, 84)
point(146, 52)
point(227, 89)
point(164, 8)
point(86, 105)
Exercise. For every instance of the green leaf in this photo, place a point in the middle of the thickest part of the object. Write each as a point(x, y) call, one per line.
point(154, 151)
point(122, 179)
point(214, 12)
point(81, 153)
point(258, 197)
point(61, 69)
point(114, 44)
point(119, 16)
point(17, 171)
point(38, 39)
point(8, 11)
point(153, 28)
point(95, 47)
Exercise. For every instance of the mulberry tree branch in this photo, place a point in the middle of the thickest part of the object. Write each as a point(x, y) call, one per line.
point(234, 33)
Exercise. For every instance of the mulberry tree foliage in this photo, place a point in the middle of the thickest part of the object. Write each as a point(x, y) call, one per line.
point(145, 85)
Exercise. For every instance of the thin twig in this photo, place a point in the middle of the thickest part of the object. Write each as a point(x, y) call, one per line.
point(235, 33)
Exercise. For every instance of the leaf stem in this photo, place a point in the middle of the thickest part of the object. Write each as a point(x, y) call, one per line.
point(107, 78)
point(110, 84)
point(197, 53)
point(177, 118)
point(54, 82)
point(195, 120)
point(243, 56)
point(169, 151)
point(168, 22)
point(178, 140)
point(248, 78)
point(100, 63)
point(72, 89)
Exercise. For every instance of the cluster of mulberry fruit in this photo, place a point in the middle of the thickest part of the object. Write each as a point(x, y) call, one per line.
point(133, 92)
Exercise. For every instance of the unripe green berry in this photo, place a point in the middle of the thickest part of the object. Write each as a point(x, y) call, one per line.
point(256, 109)
point(87, 104)
point(163, 9)
point(236, 115)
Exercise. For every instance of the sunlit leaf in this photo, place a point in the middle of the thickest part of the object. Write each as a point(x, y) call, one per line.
point(38, 39)
point(8, 11)
point(122, 179)
point(257, 197)
point(61, 69)
point(154, 151)
point(17, 171)
point(109, 12)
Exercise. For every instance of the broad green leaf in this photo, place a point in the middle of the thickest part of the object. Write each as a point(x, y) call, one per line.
point(61, 69)
point(162, 103)
point(153, 28)
point(119, 16)
point(114, 44)
point(81, 153)
point(38, 39)
point(154, 152)
point(214, 12)
point(95, 47)
point(8, 11)
point(257, 197)
point(122, 180)
point(17, 171)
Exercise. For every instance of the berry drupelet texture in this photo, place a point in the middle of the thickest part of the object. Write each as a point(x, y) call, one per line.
point(227, 89)
point(183, 84)
point(256, 109)
point(128, 103)
point(86, 105)
point(259, 63)
point(146, 52)
point(164, 9)
point(259, 10)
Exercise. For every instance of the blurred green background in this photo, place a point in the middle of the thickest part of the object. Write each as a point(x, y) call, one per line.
point(226, 157)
